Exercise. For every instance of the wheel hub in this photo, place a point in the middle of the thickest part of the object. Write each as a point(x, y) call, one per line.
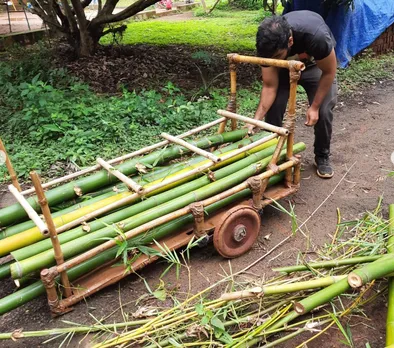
point(239, 233)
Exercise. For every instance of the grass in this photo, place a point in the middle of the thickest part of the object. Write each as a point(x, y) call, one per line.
point(230, 31)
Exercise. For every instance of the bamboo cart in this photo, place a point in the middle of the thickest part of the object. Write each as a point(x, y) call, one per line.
point(234, 228)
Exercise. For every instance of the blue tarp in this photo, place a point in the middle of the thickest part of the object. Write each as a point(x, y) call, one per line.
point(354, 29)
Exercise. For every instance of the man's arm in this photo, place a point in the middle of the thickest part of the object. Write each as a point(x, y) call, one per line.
point(268, 93)
point(328, 66)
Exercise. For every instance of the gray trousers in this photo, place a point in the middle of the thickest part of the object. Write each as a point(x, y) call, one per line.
point(309, 81)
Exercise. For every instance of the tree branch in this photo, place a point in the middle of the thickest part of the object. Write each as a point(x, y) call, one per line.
point(133, 9)
point(109, 7)
point(120, 29)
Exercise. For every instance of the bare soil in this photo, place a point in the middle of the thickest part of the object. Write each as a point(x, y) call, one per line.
point(363, 138)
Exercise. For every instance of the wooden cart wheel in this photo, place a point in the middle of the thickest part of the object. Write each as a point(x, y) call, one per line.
point(237, 231)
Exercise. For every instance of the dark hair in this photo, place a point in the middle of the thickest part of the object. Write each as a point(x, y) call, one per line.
point(273, 35)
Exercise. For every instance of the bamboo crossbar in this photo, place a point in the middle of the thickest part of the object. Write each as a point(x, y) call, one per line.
point(166, 218)
point(260, 124)
point(166, 182)
point(125, 179)
point(191, 147)
point(29, 210)
point(278, 63)
point(125, 157)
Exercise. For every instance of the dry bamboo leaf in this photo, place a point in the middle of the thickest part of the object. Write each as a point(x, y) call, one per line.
point(141, 168)
point(144, 312)
point(78, 191)
point(86, 226)
point(195, 330)
point(17, 334)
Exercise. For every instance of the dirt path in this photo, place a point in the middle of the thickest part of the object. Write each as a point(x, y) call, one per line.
point(363, 134)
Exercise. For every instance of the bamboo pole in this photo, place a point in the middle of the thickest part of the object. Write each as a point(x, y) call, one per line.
point(232, 103)
point(125, 157)
point(125, 179)
point(29, 210)
point(32, 291)
point(390, 306)
point(15, 212)
point(52, 230)
point(107, 220)
point(196, 195)
point(371, 271)
point(145, 211)
point(260, 124)
point(9, 166)
point(282, 288)
point(236, 58)
point(289, 122)
point(329, 264)
point(192, 148)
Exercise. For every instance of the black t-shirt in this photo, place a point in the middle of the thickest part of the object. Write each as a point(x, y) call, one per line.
point(311, 34)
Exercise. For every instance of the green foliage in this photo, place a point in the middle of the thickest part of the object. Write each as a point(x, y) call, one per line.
point(247, 4)
point(365, 70)
point(228, 30)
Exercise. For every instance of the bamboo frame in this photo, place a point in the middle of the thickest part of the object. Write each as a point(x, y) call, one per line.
point(278, 63)
point(52, 230)
point(261, 124)
point(164, 183)
point(191, 147)
point(124, 157)
point(125, 179)
point(232, 104)
point(166, 218)
point(29, 210)
point(10, 168)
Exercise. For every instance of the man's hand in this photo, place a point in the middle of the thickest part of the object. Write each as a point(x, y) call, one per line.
point(251, 129)
point(312, 116)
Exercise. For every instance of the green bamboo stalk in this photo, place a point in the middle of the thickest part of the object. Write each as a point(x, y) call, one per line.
point(32, 291)
point(329, 264)
point(229, 176)
point(15, 212)
point(371, 271)
point(322, 297)
point(390, 306)
point(46, 244)
point(73, 329)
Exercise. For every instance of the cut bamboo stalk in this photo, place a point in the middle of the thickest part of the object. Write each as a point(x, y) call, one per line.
point(163, 183)
point(369, 272)
point(192, 148)
point(124, 157)
point(143, 212)
point(107, 220)
point(9, 166)
point(232, 103)
point(282, 288)
point(390, 306)
point(125, 179)
point(52, 230)
point(29, 210)
point(171, 216)
point(328, 264)
point(279, 63)
point(260, 124)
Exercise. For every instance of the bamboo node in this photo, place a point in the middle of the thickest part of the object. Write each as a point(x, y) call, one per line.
point(289, 122)
point(78, 191)
point(16, 334)
point(211, 176)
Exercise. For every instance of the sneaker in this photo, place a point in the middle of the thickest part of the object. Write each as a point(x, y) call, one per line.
point(324, 169)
